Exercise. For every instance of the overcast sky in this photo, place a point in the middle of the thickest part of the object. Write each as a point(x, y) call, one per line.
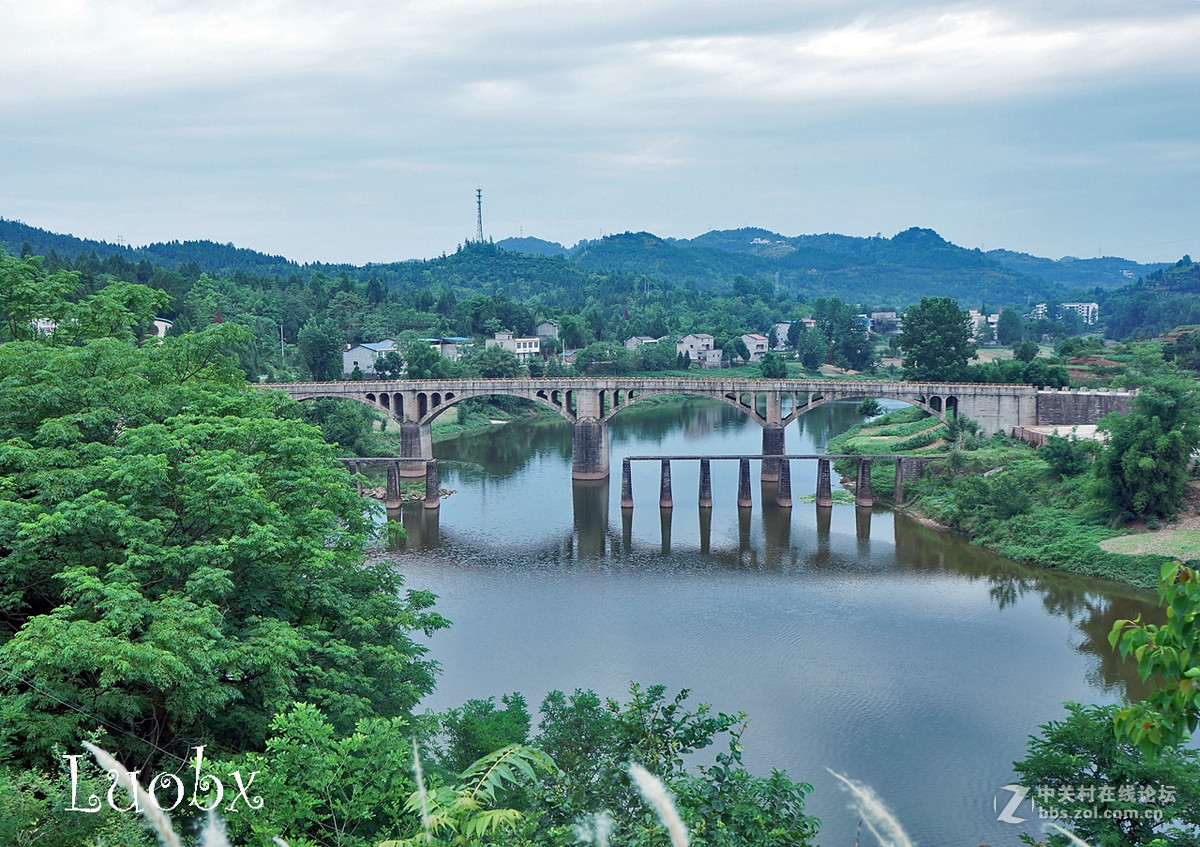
point(358, 130)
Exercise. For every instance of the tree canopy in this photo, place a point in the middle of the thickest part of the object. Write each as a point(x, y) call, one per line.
point(182, 554)
point(936, 341)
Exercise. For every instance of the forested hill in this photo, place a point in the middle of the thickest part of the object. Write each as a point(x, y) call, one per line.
point(1165, 299)
point(913, 264)
point(892, 271)
point(206, 255)
point(1107, 272)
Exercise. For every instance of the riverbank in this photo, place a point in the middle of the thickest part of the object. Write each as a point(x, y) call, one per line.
point(1005, 496)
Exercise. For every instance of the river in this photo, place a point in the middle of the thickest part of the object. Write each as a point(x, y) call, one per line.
point(857, 641)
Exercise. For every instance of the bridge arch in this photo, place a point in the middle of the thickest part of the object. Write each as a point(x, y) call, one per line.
point(935, 405)
point(390, 404)
point(431, 405)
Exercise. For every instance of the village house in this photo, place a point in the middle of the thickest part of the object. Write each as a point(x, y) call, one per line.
point(756, 345)
point(633, 342)
point(363, 356)
point(522, 348)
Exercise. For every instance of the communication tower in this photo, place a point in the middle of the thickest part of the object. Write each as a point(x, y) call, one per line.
point(479, 215)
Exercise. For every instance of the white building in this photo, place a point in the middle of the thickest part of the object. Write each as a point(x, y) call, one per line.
point(633, 342)
point(756, 344)
point(522, 348)
point(363, 356)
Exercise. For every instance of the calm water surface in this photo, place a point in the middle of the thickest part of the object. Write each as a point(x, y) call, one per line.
point(857, 641)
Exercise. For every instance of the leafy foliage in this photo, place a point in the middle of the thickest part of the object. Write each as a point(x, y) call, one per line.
point(464, 814)
point(323, 787)
point(1081, 752)
point(773, 367)
point(936, 340)
point(593, 742)
point(1142, 467)
point(183, 555)
point(1170, 652)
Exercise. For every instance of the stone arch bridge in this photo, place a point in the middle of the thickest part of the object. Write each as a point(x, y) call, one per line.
point(589, 403)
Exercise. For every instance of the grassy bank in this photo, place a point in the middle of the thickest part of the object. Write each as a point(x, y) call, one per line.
point(1002, 494)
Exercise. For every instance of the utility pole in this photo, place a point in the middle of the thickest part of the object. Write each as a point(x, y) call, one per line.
point(479, 215)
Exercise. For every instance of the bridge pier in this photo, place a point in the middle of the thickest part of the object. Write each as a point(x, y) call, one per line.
point(745, 501)
point(862, 484)
point(824, 485)
point(898, 487)
point(664, 486)
point(589, 450)
point(783, 492)
point(433, 498)
point(391, 499)
point(626, 485)
point(772, 445)
point(416, 442)
point(705, 485)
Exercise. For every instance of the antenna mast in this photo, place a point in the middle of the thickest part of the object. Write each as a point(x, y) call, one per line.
point(479, 215)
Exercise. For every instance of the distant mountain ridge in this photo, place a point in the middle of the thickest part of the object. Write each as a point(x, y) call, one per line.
point(895, 271)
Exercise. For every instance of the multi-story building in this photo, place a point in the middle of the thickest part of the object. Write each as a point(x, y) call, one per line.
point(523, 348)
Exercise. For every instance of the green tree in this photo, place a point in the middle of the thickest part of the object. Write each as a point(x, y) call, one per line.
point(390, 365)
point(1171, 654)
point(813, 349)
point(1026, 351)
point(795, 330)
point(424, 362)
point(1010, 327)
point(1078, 764)
point(735, 346)
point(497, 363)
point(869, 407)
point(607, 357)
point(1142, 467)
point(184, 555)
point(592, 743)
point(478, 727)
point(320, 349)
point(773, 367)
point(465, 814)
point(936, 341)
point(326, 786)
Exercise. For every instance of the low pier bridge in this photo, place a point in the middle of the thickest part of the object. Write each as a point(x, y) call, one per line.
point(907, 467)
point(590, 403)
point(392, 498)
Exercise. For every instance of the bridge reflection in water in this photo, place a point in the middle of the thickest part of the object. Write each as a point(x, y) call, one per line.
point(594, 537)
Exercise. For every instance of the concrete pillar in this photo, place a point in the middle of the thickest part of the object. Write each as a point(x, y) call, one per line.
point(433, 498)
point(664, 520)
point(898, 488)
point(392, 497)
point(862, 485)
point(783, 493)
point(744, 499)
point(705, 530)
point(354, 471)
point(772, 445)
point(416, 442)
point(664, 486)
point(589, 450)
point(705, 486)
point(626, 485)
point(824, 485)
